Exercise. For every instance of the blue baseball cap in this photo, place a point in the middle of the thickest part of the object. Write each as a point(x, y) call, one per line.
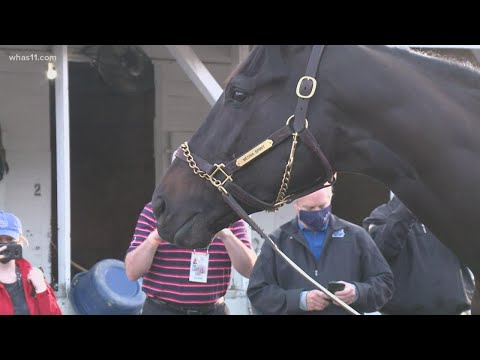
point(10, 225)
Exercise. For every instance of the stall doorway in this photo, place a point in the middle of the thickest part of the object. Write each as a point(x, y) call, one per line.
point(112, 165)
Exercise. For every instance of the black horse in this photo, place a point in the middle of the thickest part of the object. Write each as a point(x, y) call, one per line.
point(408, 120)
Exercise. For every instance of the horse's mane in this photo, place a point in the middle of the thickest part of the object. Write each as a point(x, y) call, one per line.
point(463, 71)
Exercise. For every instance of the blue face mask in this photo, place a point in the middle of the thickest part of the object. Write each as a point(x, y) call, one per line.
point(317, 219)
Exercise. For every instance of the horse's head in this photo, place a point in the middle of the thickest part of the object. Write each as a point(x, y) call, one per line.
point(261, 95)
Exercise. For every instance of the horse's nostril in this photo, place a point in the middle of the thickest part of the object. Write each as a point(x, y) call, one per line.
point(158, 205)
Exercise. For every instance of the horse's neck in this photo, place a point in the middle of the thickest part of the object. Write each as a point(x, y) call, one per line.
point(417, 131)
point(404, 107)
point(411, 97)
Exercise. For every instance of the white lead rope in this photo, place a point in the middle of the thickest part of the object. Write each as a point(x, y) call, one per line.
point(309, 278)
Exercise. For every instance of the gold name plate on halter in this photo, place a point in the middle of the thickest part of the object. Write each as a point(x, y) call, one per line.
point(256, 151)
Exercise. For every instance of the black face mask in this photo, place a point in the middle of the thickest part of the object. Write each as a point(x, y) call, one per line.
point(13, 251)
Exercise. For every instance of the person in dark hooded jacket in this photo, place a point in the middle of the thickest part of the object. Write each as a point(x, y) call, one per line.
point(327, 248)
point(429, 279)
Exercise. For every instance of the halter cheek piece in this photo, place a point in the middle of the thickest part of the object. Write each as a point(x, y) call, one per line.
point(221, 175)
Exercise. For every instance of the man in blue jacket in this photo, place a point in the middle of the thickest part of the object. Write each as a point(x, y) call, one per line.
point(327, 248)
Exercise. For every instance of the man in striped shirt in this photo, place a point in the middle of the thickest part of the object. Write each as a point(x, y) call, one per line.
point(186, 281)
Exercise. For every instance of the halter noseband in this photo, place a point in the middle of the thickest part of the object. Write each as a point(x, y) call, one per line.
point(221, 175)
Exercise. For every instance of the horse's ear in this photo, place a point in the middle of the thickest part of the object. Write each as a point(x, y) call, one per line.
point(283, 51)
point(287, 50)
point(274, 65)
point(274, 56)
point(273, 51)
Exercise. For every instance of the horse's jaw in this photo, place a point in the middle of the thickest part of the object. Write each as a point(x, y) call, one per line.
point(193, 234)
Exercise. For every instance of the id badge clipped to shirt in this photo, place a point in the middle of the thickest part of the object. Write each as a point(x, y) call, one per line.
point(199, 267)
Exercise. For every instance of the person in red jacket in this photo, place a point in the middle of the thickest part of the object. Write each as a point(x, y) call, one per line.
point(23, 288)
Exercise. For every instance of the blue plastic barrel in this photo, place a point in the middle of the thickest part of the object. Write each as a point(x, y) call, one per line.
point(106, 290)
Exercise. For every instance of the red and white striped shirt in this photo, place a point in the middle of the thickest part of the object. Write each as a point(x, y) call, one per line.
point(168, 277)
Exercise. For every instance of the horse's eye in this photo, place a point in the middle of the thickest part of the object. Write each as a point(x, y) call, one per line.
point(239, 96)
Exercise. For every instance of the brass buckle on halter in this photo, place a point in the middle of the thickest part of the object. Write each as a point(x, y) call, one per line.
point(312, 91)
point(217, 183)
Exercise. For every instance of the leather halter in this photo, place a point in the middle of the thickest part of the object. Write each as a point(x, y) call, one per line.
point(298, 127)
